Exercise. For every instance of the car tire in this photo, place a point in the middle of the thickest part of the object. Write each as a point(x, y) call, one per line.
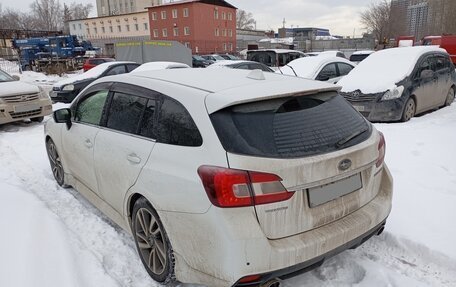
point(152, 242)
point(409, 110)
point(37, 120)
point(56, 163)
point(450, 97)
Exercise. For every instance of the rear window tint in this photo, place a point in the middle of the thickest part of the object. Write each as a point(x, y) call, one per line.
point(291, 127)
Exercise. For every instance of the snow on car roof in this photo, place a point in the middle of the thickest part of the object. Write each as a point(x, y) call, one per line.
point(308, 67)
point(92, 73)
point(150, 66)
point(383, 69)
point(230, 86)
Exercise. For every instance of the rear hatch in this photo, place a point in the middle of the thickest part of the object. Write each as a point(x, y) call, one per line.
point(323, 150)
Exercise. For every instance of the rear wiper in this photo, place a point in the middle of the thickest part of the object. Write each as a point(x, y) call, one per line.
point(350, 137)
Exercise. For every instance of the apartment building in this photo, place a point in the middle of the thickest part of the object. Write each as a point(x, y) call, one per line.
point(204, 26)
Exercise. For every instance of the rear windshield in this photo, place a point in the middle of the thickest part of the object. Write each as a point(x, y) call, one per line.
point(291, 127)
point(358, 57)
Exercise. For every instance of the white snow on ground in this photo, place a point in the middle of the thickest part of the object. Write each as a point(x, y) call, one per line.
point(54, 237)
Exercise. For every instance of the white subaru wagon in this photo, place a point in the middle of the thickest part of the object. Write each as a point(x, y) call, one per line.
point(224, 177)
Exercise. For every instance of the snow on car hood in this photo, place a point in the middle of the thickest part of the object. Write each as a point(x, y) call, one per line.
point(17, 88)
point(382, 70)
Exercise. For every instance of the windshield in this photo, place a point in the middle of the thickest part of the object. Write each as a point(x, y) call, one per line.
point(199, 58)
point(4, 77)
point(219, 58)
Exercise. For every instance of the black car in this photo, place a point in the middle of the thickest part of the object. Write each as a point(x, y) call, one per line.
point(66, 90)
point(242, 64)
point(200, 62)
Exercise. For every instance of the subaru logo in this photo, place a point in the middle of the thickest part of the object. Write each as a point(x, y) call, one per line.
point(345, 164)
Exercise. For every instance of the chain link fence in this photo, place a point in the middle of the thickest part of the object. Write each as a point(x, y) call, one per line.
point(9, 61)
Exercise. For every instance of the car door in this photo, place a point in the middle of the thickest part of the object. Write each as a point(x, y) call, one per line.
point(125, 141)
point(328, 73)
point(443, 74)
point(425, 84)
point(79, 140)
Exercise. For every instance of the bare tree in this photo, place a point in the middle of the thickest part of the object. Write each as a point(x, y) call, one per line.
point(244, 20)
point(376, 19)
point(48, 13)
point(80, 11)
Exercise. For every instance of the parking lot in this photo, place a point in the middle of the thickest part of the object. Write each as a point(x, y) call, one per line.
point(84, 247)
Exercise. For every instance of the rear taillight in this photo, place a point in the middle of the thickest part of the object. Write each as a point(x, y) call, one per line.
point(381, 150)
point(238, 188)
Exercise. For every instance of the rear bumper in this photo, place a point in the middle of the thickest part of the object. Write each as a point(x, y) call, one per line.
point(10, 112)
point(317, 261)
point(225, 245)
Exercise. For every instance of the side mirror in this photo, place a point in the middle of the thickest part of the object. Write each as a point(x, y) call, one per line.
point(426, 74)
point(16, 77)
point(63, 116)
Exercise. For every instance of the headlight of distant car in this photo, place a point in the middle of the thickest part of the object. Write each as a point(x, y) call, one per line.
point(393, 94)
point(68, 88)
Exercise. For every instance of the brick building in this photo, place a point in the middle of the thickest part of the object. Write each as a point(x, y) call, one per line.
point(205, 26)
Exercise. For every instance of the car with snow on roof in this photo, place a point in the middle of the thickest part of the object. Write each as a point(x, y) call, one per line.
point(326, 69)
point(398, 83)
point(224, 177)
point(20, 101)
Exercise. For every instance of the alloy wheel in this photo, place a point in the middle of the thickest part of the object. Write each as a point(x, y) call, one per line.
point(151, 241)
point(409, 111)
point(56, 163)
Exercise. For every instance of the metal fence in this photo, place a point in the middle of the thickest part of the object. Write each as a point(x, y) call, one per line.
point(9, 63)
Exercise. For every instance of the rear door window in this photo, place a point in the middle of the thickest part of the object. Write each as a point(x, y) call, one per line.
point(291, 127)
point(117, 70)
point(344, 69)
point(131, 67)
point(329, 71)
point(125, 112)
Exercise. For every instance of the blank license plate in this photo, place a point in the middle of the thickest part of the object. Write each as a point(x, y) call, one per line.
point(360, 108)
point(25, 108)
point(325, 193)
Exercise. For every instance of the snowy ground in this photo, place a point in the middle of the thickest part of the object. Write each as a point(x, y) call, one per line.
point(54, 237)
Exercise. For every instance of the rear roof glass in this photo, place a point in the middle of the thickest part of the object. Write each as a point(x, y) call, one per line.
point(291, 127)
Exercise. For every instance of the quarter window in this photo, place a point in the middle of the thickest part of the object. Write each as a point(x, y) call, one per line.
point(148, 123)
point(176, 126)
point(125, 112)
point(90, 109)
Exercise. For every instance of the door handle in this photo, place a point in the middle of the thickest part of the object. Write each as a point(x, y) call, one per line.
point(88, 143)
point(133, 158)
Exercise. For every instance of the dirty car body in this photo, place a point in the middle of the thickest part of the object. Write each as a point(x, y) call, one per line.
point(243, 196)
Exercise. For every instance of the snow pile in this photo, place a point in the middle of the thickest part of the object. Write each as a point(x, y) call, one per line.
point(383, 69)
